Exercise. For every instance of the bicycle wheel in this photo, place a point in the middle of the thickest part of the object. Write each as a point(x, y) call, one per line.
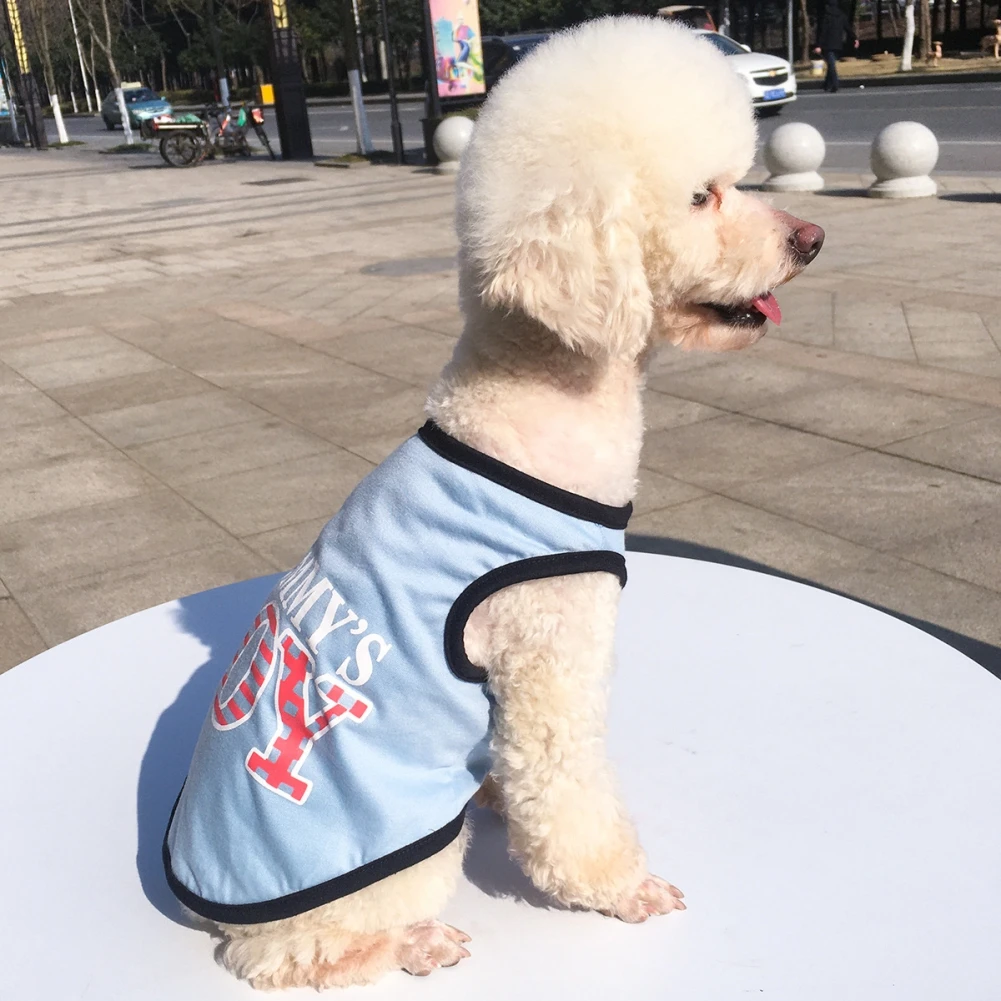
point(182, 149)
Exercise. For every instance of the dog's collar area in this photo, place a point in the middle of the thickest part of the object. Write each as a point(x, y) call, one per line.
point(575, 505)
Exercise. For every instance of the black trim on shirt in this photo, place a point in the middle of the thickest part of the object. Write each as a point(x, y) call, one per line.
point(534, 568)
point(313, 896)
point(521, 483)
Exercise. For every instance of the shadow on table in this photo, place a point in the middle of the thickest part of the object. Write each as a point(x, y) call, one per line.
point(490, 868)
point(217, 618)
point(984, 654)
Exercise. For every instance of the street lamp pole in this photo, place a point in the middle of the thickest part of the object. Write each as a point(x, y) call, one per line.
point(432, 103)
point(394, 111)
point(290, 94)
point(28, 90)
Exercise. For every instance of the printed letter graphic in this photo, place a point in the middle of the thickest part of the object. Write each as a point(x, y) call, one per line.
point(238, 693)
point(277, 766)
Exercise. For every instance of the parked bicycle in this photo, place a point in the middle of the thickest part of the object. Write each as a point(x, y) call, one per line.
point(187, 139)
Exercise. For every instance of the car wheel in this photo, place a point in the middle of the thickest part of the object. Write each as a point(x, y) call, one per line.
point(110, 126)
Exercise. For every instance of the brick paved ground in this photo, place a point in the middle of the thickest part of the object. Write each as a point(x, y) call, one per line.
point(196, 368)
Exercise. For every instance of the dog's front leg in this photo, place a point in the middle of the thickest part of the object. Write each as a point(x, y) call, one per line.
point(547, 648)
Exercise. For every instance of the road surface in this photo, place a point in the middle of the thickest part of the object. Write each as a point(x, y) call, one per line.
point(966, 118)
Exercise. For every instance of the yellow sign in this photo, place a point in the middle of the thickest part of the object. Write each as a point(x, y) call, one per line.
point(266, 93)
point(280, 10)
point(19, 47)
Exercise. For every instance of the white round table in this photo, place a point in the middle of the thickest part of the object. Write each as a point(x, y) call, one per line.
point(822, 781)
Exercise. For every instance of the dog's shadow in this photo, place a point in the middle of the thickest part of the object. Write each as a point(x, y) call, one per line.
point(490, 868)
point(218, 619)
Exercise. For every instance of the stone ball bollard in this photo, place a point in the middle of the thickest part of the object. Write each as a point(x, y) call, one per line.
point(450, 139)
point(792, 154)
point(902, 157)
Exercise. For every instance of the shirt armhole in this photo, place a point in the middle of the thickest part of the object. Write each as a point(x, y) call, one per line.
point(534, 568)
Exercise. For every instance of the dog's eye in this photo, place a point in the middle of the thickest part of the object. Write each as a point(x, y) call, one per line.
point(700, 198)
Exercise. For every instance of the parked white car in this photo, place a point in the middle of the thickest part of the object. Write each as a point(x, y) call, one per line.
point(769, 79)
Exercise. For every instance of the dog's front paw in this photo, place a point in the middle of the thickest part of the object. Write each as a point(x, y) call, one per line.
point(653, 896)
point(429, 945)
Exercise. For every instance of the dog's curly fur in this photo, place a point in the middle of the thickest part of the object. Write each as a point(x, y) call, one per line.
point(597, 214)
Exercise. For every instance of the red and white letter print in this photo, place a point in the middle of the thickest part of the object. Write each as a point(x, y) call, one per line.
point(277, 766)
point(238, 706)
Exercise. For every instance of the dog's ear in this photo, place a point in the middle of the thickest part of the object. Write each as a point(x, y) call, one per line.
point(573, 260)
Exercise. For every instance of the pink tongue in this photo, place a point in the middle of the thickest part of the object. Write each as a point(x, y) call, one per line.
point(768, 305)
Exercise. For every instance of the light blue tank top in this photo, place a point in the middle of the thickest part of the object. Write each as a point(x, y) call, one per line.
point(351, 730)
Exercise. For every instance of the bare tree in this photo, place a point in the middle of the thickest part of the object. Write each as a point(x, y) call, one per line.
point(102, 33)
point(804, 30)
point(905, 59)
point(925, 30)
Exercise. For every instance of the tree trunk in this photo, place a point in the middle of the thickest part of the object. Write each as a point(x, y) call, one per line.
point(804, 30)
point(925, 31)
point(905, 59)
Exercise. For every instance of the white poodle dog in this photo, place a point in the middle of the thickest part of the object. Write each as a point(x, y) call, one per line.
point(598, 218)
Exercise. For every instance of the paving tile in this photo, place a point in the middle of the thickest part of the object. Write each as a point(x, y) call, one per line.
point(924, 594)
point(728, 450)
point(407, 353)
point(662, 411)
point(38, 445)
point(871, 328)
point(657, 491)
point(63, 611)
point(742, 382)
point(103, 394)
point(971, 552)
point(222, 450)
point(87, 540)
point(287, 493)
point(807, 314)
point(124, 360)
point(68, 482)
point(147, 422)
point(931, 323)
point(36, 324)
point(285, 547)
point(736, 529)
point(21, 639)
point(45, 348)
point(880, 501)
point(973, 447)
point(21, 403)
point(742, 530)
point(336, 401)
point(868, 413)
point(981, 358)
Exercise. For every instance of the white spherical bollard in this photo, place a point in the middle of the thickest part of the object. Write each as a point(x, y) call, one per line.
point(902, 157)
point(793, 153)
point(450, 139)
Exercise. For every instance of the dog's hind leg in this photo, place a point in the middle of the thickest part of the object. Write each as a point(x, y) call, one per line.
point(390, 925)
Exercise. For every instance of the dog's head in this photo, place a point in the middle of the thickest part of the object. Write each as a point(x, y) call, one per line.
point(597, 195)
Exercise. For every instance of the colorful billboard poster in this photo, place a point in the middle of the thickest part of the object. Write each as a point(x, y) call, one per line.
point(458, 48)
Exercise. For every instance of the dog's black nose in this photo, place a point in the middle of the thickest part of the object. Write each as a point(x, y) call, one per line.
point(806, 241)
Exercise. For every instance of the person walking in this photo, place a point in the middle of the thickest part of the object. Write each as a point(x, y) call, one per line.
point(833, 30)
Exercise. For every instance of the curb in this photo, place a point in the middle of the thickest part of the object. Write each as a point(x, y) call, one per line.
point(902, 80)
